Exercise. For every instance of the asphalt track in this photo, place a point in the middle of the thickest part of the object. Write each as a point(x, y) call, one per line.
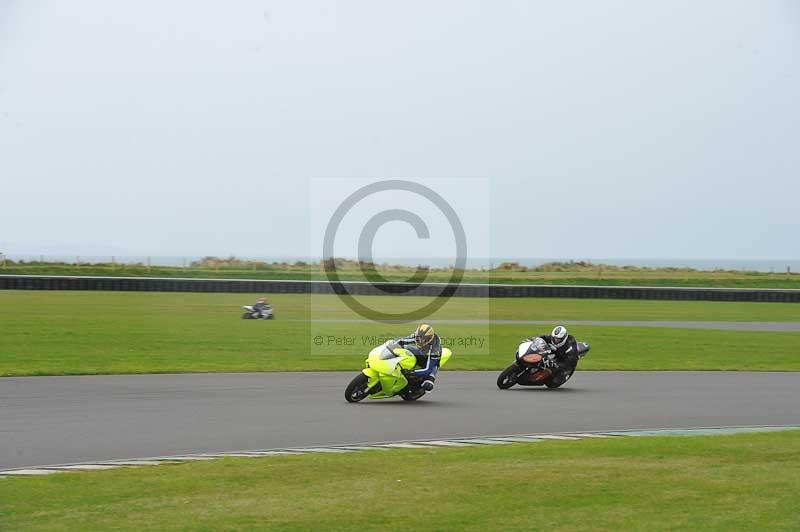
point(769, 326)
point(55, 420)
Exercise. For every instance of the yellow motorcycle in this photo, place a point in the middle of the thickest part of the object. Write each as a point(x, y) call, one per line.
point(382, 376)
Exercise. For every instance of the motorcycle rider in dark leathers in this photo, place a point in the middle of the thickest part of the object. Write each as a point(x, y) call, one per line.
point(564, 347)
point(261, 306)
point(426, 346)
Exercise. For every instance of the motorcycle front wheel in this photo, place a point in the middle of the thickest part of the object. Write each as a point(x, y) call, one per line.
point(508, 377)
point(357, 389)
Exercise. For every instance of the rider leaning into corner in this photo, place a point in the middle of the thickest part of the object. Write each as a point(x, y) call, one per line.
point(564, 347)
point(426, 346)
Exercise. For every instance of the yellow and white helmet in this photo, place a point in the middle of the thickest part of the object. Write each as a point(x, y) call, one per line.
point(424, 335)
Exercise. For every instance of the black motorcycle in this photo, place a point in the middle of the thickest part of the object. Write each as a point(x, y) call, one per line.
point(530, 356)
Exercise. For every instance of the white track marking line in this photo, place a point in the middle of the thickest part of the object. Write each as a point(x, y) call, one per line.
point(482, 441)
point(430, 444)
point(187, 458)
point(31, 472)
point(132, 463)
point(306, 450)
point(229, 455)
point(360, 447)
point(445, 443)
point(518, 439)
point(553, 437)
point(271, 453)
point(404, 445)
point(84, 467)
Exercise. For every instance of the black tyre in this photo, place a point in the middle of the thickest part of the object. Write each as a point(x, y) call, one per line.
point(411, 395)
point(508, 377)
point(357, 389)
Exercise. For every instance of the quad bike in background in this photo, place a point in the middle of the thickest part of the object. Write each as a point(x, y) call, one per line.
point(255, 314)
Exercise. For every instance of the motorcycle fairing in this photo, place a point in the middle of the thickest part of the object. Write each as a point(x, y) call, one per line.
point(523, 347)
point(388, 371)
point(446, 354)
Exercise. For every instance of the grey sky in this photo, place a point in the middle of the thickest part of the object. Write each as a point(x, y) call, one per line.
point(606, 129)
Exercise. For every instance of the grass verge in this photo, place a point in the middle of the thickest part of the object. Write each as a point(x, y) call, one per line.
point(738, 482)
point(64, 333)
point(575, 273)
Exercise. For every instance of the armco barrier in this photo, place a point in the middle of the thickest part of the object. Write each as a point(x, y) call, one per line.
point(148, 284)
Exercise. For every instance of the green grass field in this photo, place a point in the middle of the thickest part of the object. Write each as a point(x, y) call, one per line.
point(737, 482)
point(57, 333)
point(555, 273)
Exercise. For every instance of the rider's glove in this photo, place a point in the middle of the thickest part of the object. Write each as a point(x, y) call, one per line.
point(548, 363)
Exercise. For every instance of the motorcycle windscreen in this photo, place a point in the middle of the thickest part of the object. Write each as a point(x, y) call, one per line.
point(523, 348)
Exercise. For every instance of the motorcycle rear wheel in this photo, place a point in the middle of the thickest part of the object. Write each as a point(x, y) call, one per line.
point(508, 377)
point(357, 389)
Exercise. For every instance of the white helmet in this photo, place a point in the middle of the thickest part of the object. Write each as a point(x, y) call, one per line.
point(559, 336)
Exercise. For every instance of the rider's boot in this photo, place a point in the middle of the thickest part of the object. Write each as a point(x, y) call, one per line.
point(427, 384)
point(414, 380)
